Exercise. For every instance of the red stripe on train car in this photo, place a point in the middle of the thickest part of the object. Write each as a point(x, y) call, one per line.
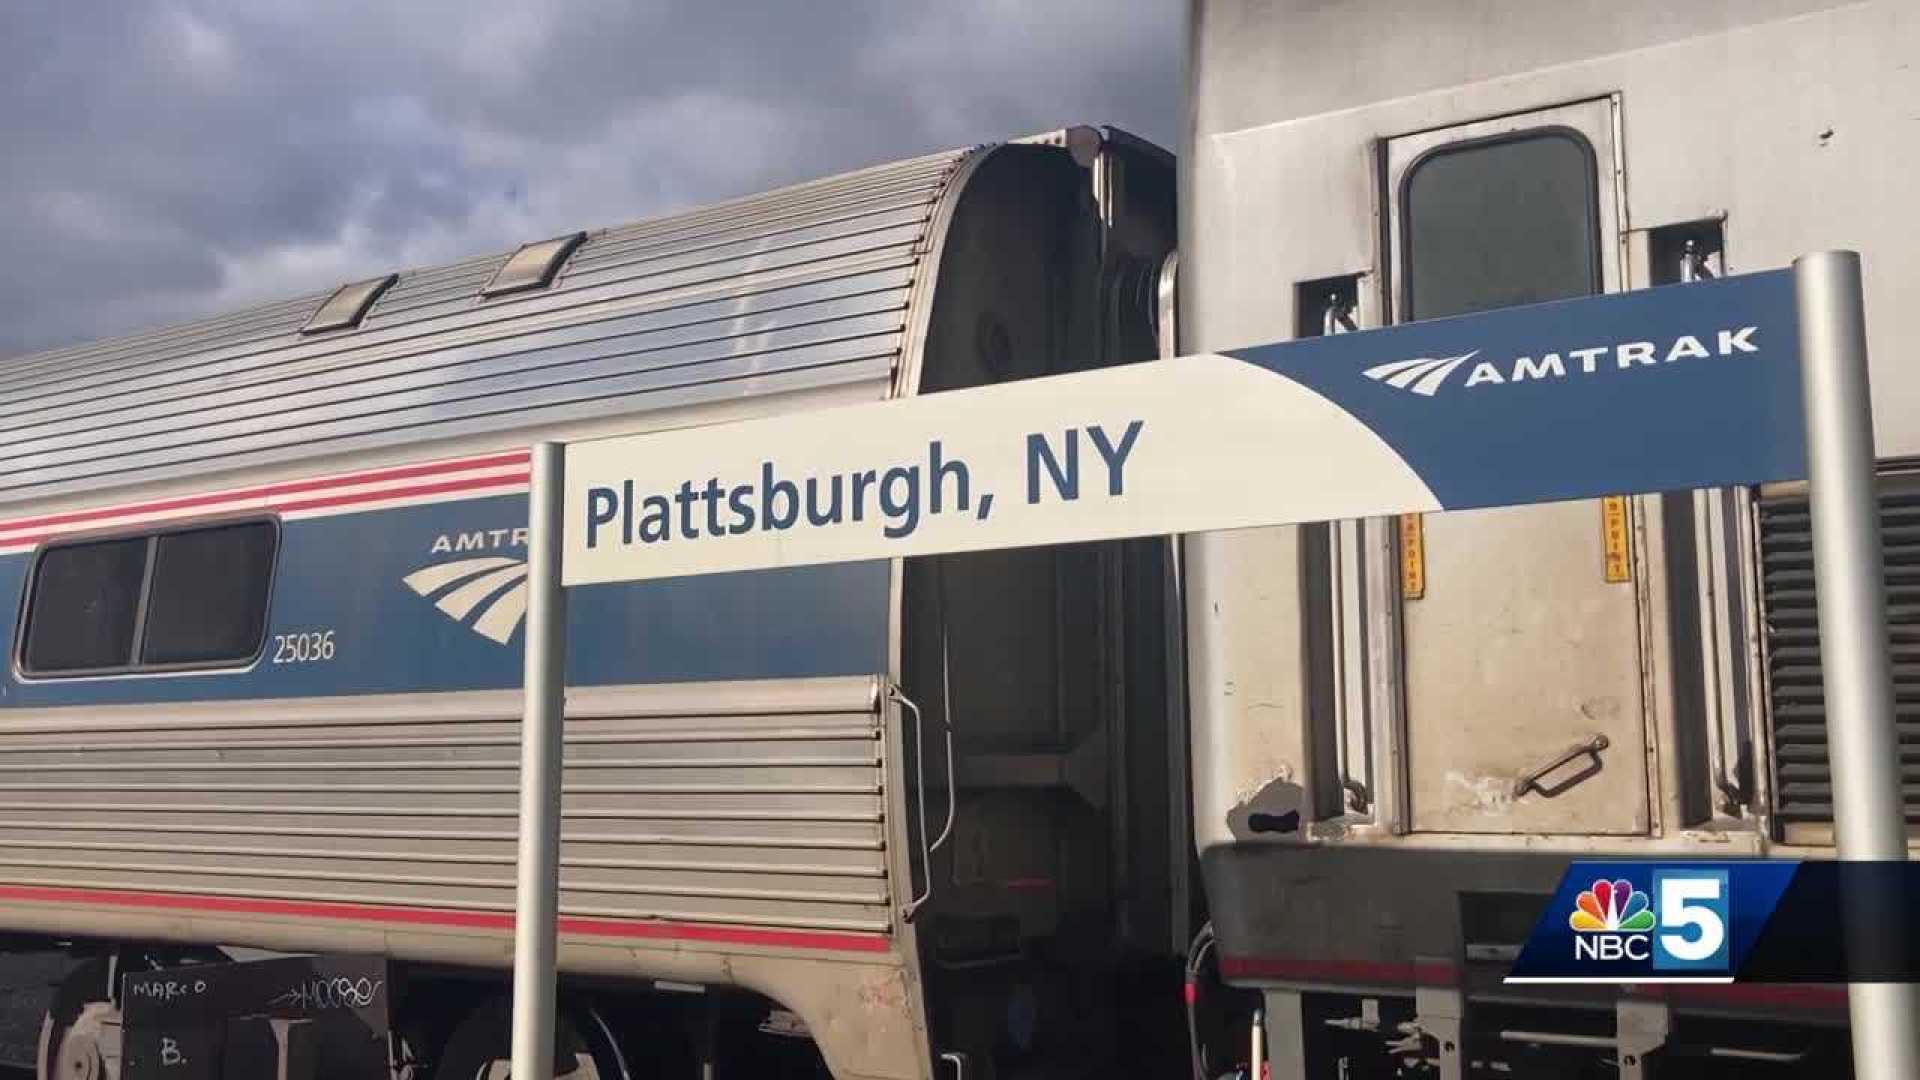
point(825, 940)
point(474, 483)
point(292, 487)
point(417, 490)
point(1370, 972)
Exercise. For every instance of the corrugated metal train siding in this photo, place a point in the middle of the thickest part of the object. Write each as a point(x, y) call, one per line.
point(1802, 773)
point(803, 287)
point(759, 806)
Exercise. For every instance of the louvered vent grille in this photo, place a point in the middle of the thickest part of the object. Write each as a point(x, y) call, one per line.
point(1802, 779)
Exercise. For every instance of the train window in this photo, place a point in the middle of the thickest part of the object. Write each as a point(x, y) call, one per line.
point(86, 601)
point(181, 598)
point(1493, 223)
point(208, 601)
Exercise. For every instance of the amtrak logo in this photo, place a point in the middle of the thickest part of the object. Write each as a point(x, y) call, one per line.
point(491, 590)
point(1422, 376)
point(1426, 375)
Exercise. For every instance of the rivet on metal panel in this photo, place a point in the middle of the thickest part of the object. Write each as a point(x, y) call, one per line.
point(1615, 536)
point(1413, 558)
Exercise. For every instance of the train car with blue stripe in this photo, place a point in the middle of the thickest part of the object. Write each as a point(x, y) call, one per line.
point(264, 584)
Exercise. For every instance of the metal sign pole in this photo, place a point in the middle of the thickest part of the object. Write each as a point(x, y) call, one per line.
point(1864, 747)
point(537, 899)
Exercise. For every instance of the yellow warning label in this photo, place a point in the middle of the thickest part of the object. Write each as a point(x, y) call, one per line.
point(1413, 558)
point(1614, 533)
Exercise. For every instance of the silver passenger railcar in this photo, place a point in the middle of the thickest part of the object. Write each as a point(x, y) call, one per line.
point(1458, 705)
point(264, 579)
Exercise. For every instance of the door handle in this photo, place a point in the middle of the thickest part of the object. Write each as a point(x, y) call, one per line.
point(1591, 747)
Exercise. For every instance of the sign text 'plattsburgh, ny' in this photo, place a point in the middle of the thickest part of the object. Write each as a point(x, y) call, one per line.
point(1685, 386)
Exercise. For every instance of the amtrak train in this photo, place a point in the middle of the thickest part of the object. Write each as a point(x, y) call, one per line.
point(1458, 704)
point(1281, 798)
point(265, 578)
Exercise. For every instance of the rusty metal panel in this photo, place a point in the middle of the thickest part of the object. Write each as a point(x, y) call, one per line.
point(1518, 652)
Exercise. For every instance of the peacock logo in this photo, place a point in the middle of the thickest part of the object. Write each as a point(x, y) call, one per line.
point(488, 595)
point(1611, 907)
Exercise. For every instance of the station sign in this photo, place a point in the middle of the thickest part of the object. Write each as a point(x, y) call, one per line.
point(1684, 386)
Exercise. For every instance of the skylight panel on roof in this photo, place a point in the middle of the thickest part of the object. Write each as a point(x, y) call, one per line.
point(533, 266)
point(348, 305)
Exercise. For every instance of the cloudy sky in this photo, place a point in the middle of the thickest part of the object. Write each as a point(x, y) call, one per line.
point(161, 161)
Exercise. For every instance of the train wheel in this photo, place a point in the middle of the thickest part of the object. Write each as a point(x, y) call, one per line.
point(481, 1048)
point(80, 1034)
point(86, 1049)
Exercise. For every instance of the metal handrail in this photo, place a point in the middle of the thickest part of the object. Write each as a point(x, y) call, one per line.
point(946, 721)
point(927, 848)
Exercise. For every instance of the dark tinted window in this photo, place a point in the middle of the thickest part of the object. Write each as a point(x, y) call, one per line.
point(1495, 224)
point(99, 607)
point(86, 598)
point(209, 595)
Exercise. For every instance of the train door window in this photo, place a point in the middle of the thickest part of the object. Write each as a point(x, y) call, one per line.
point(208, 601)
point(1496, 222)
point(86, 604)
point(152, 602)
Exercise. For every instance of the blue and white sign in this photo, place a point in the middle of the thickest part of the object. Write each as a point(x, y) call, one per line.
point(1685, 386)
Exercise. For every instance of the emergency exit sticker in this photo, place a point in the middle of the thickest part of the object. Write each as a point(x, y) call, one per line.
point(1413, 558)
point(1615, 535)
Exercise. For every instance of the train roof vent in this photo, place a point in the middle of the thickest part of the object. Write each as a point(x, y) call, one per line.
point(533, 266)
point(348, 305)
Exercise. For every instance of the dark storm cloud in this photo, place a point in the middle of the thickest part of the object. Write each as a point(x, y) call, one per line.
point(160, 161)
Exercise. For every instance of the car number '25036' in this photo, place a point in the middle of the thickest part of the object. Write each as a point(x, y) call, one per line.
point(303, 648)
